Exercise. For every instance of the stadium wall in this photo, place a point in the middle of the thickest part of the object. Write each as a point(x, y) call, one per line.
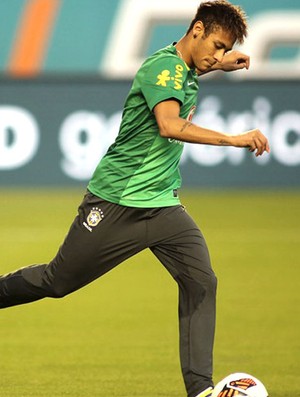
point(54, 131)
point(67, 65)
point(112, 37)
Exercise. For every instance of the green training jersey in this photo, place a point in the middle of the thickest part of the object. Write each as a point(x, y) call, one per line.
point(141, 169)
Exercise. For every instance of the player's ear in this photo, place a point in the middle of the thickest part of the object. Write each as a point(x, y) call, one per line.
point(198, 29)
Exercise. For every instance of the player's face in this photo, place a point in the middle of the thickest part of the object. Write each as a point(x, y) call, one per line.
point(208, 50)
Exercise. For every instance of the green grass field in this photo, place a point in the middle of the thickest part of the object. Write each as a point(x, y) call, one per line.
point(118, 337)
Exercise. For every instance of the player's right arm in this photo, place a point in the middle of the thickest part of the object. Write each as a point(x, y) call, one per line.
point(171, 125)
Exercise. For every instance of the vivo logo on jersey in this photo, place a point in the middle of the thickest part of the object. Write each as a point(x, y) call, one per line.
point(178, 77)
point(165, 78)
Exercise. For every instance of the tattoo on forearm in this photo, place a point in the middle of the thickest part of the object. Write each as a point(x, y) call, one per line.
point(223, 142)
point(185, 125)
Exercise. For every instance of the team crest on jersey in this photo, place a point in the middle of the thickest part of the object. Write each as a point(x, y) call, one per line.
point(175, 80)
point(93, 219)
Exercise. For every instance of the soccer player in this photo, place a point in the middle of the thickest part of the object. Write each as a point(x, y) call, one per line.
point(132, 202)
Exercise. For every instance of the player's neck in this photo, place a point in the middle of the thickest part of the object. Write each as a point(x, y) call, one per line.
point(182, 50)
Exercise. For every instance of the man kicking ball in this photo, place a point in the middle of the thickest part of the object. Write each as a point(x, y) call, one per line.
point(132, 201)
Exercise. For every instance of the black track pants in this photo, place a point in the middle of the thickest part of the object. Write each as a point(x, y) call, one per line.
point(104, 235)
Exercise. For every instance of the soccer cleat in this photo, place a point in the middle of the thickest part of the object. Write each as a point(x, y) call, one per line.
point(206, 393)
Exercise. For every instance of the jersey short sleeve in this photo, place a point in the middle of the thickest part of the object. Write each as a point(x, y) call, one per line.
point(164, 79)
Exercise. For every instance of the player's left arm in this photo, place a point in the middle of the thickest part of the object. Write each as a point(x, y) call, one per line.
point(233, 60)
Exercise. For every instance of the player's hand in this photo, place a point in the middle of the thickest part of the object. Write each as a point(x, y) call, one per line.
point(255, 141)
point(234, 60)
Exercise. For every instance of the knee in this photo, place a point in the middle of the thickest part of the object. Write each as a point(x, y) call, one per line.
point(198, 285)
point(209, 285)
point(57, 285)
point(206, 280)
point(212, 282)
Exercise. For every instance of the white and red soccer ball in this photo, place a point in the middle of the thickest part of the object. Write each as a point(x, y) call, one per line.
point(240, 385)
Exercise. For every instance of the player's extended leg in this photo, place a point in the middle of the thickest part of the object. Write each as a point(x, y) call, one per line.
point(101, 236)
point(184, 253)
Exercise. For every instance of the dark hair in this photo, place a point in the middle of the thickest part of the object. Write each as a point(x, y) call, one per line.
point(221, 14)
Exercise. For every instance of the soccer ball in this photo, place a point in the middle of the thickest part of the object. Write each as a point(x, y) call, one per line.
point(240, 385)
